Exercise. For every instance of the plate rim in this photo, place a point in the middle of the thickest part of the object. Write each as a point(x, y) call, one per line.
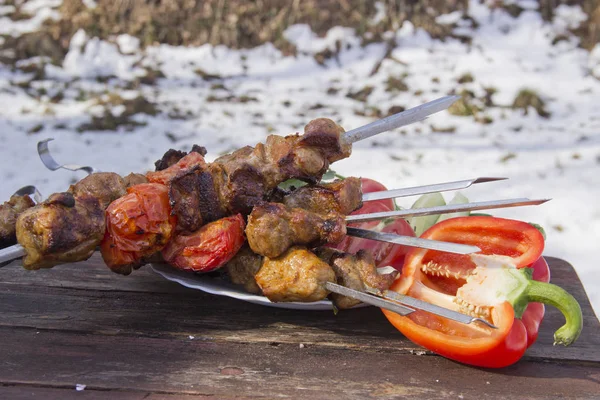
point(231, 290)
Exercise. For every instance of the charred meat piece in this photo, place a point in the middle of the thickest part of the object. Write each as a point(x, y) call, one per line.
point(172, 156)
point(105, 186)
point(272, 228)
point(193, 199)
point(355, 272)
point(297, 275)
point(243, 267)
point(341, 196)
point(62, 229)
point(189, 161)
point(9, 211)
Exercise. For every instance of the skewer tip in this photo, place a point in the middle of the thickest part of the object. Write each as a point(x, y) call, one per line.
point(485, 179)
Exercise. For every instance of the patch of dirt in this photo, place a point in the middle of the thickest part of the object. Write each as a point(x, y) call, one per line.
point(527, 98)
point(110, 120)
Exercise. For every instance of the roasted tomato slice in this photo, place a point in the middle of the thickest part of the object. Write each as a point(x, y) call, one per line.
point(208, 248)
point(138, 225)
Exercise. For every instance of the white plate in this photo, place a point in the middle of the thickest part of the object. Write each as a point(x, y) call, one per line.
point(222, 288)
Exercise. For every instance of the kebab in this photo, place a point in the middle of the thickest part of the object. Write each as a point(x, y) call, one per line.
point(236, 179)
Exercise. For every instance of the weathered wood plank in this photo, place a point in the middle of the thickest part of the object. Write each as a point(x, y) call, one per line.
point(260, 370)
point(185, 312)
point(91, 274)
point(28, 392)
point(209, 317)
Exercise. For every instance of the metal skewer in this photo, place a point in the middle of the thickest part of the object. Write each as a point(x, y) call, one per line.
point(369, 299)
point(412, 241)
point(431, 308)
point(414, 212)
point(51, 163)
point(11, 253)
point(407, 117)
point(402, 304)
point(438, 187)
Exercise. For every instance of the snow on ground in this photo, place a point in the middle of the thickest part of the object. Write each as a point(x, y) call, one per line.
point(223, 99)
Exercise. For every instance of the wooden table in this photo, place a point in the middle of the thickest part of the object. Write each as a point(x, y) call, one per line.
point(142, 337)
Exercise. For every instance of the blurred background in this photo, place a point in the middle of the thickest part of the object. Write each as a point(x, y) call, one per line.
point(117, 83)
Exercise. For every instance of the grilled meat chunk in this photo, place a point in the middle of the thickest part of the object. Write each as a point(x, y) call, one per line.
point(62, 229)
point(272, 228)
point(189, 161)
point(105, 186)
point(341, 196)
point(172, 156)
point(193, 199)
point(297, 275)
point(134, 179)
point(243, 267)
point(355, 272)
point(9, 211)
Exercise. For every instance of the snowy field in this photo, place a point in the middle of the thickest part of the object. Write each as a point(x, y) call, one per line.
point(223, 99)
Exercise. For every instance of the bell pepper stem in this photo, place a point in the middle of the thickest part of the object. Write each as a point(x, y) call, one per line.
point(553, 295)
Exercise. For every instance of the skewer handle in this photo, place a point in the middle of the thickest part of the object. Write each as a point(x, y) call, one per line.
point(407, 117)
point(51, 164)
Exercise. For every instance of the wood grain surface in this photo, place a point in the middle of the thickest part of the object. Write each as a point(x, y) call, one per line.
point(142, 337)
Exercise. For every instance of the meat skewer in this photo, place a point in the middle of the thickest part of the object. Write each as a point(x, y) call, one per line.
point(274, 227)
point(260, 229)
point(305, 157)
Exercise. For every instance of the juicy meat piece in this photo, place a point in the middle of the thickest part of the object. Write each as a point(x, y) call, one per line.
point(9, 211)
point(105, 186)
point(194, 200)
point(189, 161)
point(247, 176)
point(297, 275)
point(273, 228)
point(62, 229)
point(243, 267)
point(355, 272)
point(172, 156)
point(342, 196)
point(134, 179)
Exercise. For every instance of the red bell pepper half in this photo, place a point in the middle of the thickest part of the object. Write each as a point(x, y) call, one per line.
point(504, 283)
